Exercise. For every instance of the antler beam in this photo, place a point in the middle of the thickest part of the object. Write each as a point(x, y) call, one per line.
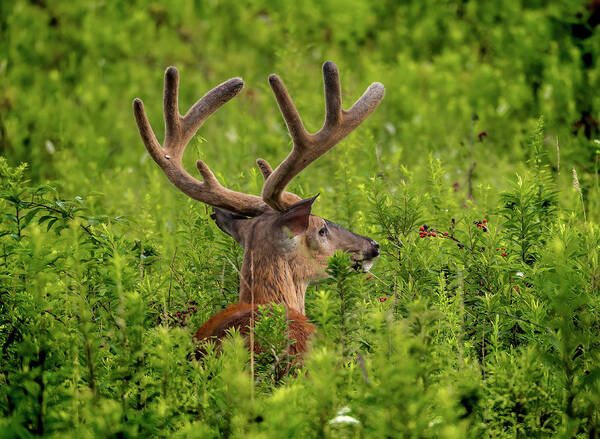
point(179, 131)
point(309, 147)
point(306, 147)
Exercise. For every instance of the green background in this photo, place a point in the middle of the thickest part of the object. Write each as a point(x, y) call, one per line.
point(99, 252)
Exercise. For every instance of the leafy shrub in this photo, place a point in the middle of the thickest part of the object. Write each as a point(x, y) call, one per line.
point(480, 318)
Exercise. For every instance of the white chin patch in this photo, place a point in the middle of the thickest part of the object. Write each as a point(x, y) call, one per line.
point(366, 265)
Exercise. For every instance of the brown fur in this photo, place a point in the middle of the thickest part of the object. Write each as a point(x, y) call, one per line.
point(280, 259)
point(238, 316)
point(278, 268)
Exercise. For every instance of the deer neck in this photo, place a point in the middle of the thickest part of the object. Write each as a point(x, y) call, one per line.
point(271, 279)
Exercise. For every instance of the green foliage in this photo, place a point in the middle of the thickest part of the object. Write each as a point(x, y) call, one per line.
point(467, 328)
point(272, 359)
point(347, 295)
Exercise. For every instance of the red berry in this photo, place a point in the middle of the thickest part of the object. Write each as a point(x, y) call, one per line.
point(504, 254)
point(382, 299)
point(369, 277)
point(485, 221)
point(421, 228)
point(433, 234)
point(430, 234)
point(445, 233)
point(481, 283)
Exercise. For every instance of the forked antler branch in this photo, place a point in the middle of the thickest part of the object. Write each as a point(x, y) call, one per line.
point(308, 147)
point(179, 131)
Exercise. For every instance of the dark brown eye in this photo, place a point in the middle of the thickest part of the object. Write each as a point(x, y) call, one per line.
point(323, 231)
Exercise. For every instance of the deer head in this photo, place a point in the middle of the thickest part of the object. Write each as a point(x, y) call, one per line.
point(285, 245)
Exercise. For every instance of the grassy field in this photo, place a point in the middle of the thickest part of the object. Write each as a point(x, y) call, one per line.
point(488, 131)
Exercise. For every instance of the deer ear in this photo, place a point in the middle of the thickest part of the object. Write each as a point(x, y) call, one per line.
point(229, 223)
point(295, 219)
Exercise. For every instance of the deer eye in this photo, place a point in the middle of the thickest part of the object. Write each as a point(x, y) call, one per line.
point(323, 231)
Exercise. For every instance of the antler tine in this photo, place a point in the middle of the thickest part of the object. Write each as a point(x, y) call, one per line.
point(171, 105)
point(309, 147)
point(266, 170)
point(333, 94)
point(289, 111)
point(210, 102)
point(179, 130)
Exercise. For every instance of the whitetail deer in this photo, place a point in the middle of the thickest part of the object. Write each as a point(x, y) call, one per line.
point(285, 246)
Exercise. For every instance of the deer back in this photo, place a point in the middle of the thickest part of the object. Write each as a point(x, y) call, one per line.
point(240, 316)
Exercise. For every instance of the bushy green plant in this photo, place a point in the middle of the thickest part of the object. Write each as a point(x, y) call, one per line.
point(478, 176)
point(273, 360)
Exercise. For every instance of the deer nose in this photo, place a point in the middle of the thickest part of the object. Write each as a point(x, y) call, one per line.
point(375, 249)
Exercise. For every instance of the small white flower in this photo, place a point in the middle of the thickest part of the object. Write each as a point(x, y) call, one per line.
point(343, 411)
point(435, 421)
point(342, 418)
point(50, 147)
point(519, 273)
point(576, 181)
point(231, 135)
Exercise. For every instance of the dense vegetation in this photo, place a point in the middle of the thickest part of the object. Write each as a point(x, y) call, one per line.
point(487, 134)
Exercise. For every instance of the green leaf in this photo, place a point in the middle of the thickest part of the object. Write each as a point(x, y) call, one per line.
point(11, 217)
point(51, 223)
point(45, 218)
point(30, 215)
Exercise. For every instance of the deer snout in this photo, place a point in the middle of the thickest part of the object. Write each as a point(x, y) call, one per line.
point(373, 250)
point(369, 249)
